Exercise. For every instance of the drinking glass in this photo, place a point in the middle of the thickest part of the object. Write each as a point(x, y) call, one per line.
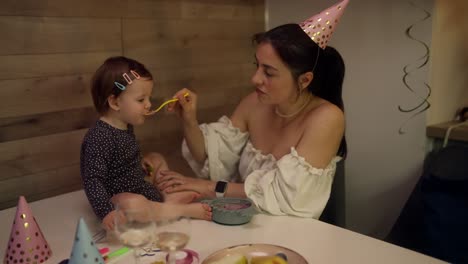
point(172, 236)
point(134, 228)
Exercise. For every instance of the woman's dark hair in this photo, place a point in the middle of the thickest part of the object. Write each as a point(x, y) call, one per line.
point(301, 54)
point(112, 70)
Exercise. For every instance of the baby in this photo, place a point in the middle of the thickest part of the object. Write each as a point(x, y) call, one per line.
point(111, 162)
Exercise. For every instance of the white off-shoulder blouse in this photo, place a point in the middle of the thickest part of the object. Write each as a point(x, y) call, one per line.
point(288, 186)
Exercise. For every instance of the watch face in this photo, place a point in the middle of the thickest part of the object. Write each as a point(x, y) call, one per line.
point(220, 187)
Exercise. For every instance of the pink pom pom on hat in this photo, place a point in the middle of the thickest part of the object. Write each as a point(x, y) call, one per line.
point(27, 243)
point(321, 26)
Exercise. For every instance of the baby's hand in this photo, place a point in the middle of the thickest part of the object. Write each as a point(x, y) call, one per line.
point(108, 221)
point(147, 168)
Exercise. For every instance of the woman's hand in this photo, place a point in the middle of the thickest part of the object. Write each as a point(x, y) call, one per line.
point(172, 182)
point(185, 107)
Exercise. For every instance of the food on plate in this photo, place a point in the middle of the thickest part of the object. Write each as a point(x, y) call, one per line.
point(268, 260)
point(232, 259)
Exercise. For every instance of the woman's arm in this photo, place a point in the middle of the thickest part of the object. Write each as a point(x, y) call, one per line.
point(322, 136)
point(173, 182)
point(195, 141)
point(186, 107)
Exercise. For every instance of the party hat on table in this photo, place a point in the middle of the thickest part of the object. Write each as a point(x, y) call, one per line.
point(320, 27)
point(84, 250)
point(27, 243)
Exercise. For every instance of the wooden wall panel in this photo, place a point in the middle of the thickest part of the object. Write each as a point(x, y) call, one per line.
point(39, 35)
point(46, 65)
point(203, 79)
point(222, 10)
point(42, 95)
point(54, 47)
point(91, 8)
point(150, 29)
point(40, 183)
point(24, 157)
point(36, 125)
point(160, 9)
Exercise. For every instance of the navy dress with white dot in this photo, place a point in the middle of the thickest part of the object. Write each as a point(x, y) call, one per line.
point(110, 164)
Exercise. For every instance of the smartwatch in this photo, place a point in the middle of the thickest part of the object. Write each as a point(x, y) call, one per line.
point(220, 188)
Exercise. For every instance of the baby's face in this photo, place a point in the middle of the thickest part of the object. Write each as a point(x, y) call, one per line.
point(135, 101)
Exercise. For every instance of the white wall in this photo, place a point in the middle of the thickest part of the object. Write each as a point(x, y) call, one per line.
point(449, 74)
point(383, 165)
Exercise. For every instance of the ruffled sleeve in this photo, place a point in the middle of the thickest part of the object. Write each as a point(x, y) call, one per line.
point(223, 145)
point(291, 187)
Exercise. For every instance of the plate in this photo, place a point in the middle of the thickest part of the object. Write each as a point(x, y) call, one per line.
point(256, 250)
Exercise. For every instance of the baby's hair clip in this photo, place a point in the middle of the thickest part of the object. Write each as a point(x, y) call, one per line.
point(120, 86)
point(134, 73)
point(127, 78)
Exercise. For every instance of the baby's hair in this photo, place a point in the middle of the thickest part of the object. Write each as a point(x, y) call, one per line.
point(111, 71)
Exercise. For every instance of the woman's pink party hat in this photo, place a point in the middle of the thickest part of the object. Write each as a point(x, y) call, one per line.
point(27, 243)
point(321, 26)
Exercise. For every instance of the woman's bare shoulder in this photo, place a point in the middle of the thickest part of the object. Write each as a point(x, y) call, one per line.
point(249, 104)
point(322, 134)
point(325, 113)
point(249, 101)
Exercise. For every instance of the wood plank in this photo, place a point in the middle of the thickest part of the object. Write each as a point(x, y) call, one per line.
point(46, 124)
point(173, 58)
point(153, 30)
point(35, 155)
point(194, 44)
point(43, 95)
point(39, 196)
point(92, 8)
point(174, 9)
point(201, 79)
point(220, 10)
point(43, 182)
point(259, 11)
point(46, 65)
point(40, 35)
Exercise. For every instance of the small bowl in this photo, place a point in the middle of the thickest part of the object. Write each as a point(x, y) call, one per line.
point(231, 211)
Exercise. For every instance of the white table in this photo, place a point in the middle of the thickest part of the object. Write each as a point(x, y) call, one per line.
point(318, 242)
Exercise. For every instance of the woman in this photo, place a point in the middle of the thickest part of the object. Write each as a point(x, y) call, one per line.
point(281, 145)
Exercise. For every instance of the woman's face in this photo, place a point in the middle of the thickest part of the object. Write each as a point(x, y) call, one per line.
point(273, 80)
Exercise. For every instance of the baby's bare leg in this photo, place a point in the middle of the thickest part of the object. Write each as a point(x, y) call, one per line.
point(160, 211)
point(185, 197)
point(159, 163)
point(193, 210)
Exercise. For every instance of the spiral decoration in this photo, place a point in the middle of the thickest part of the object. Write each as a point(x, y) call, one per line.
point(424, 104)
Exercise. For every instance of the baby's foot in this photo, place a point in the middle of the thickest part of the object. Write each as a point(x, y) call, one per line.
point(198, 211)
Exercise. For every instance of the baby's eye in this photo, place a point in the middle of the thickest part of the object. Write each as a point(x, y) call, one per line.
point(141, 100)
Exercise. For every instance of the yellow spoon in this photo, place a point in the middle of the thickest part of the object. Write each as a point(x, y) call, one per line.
point(164, 104)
